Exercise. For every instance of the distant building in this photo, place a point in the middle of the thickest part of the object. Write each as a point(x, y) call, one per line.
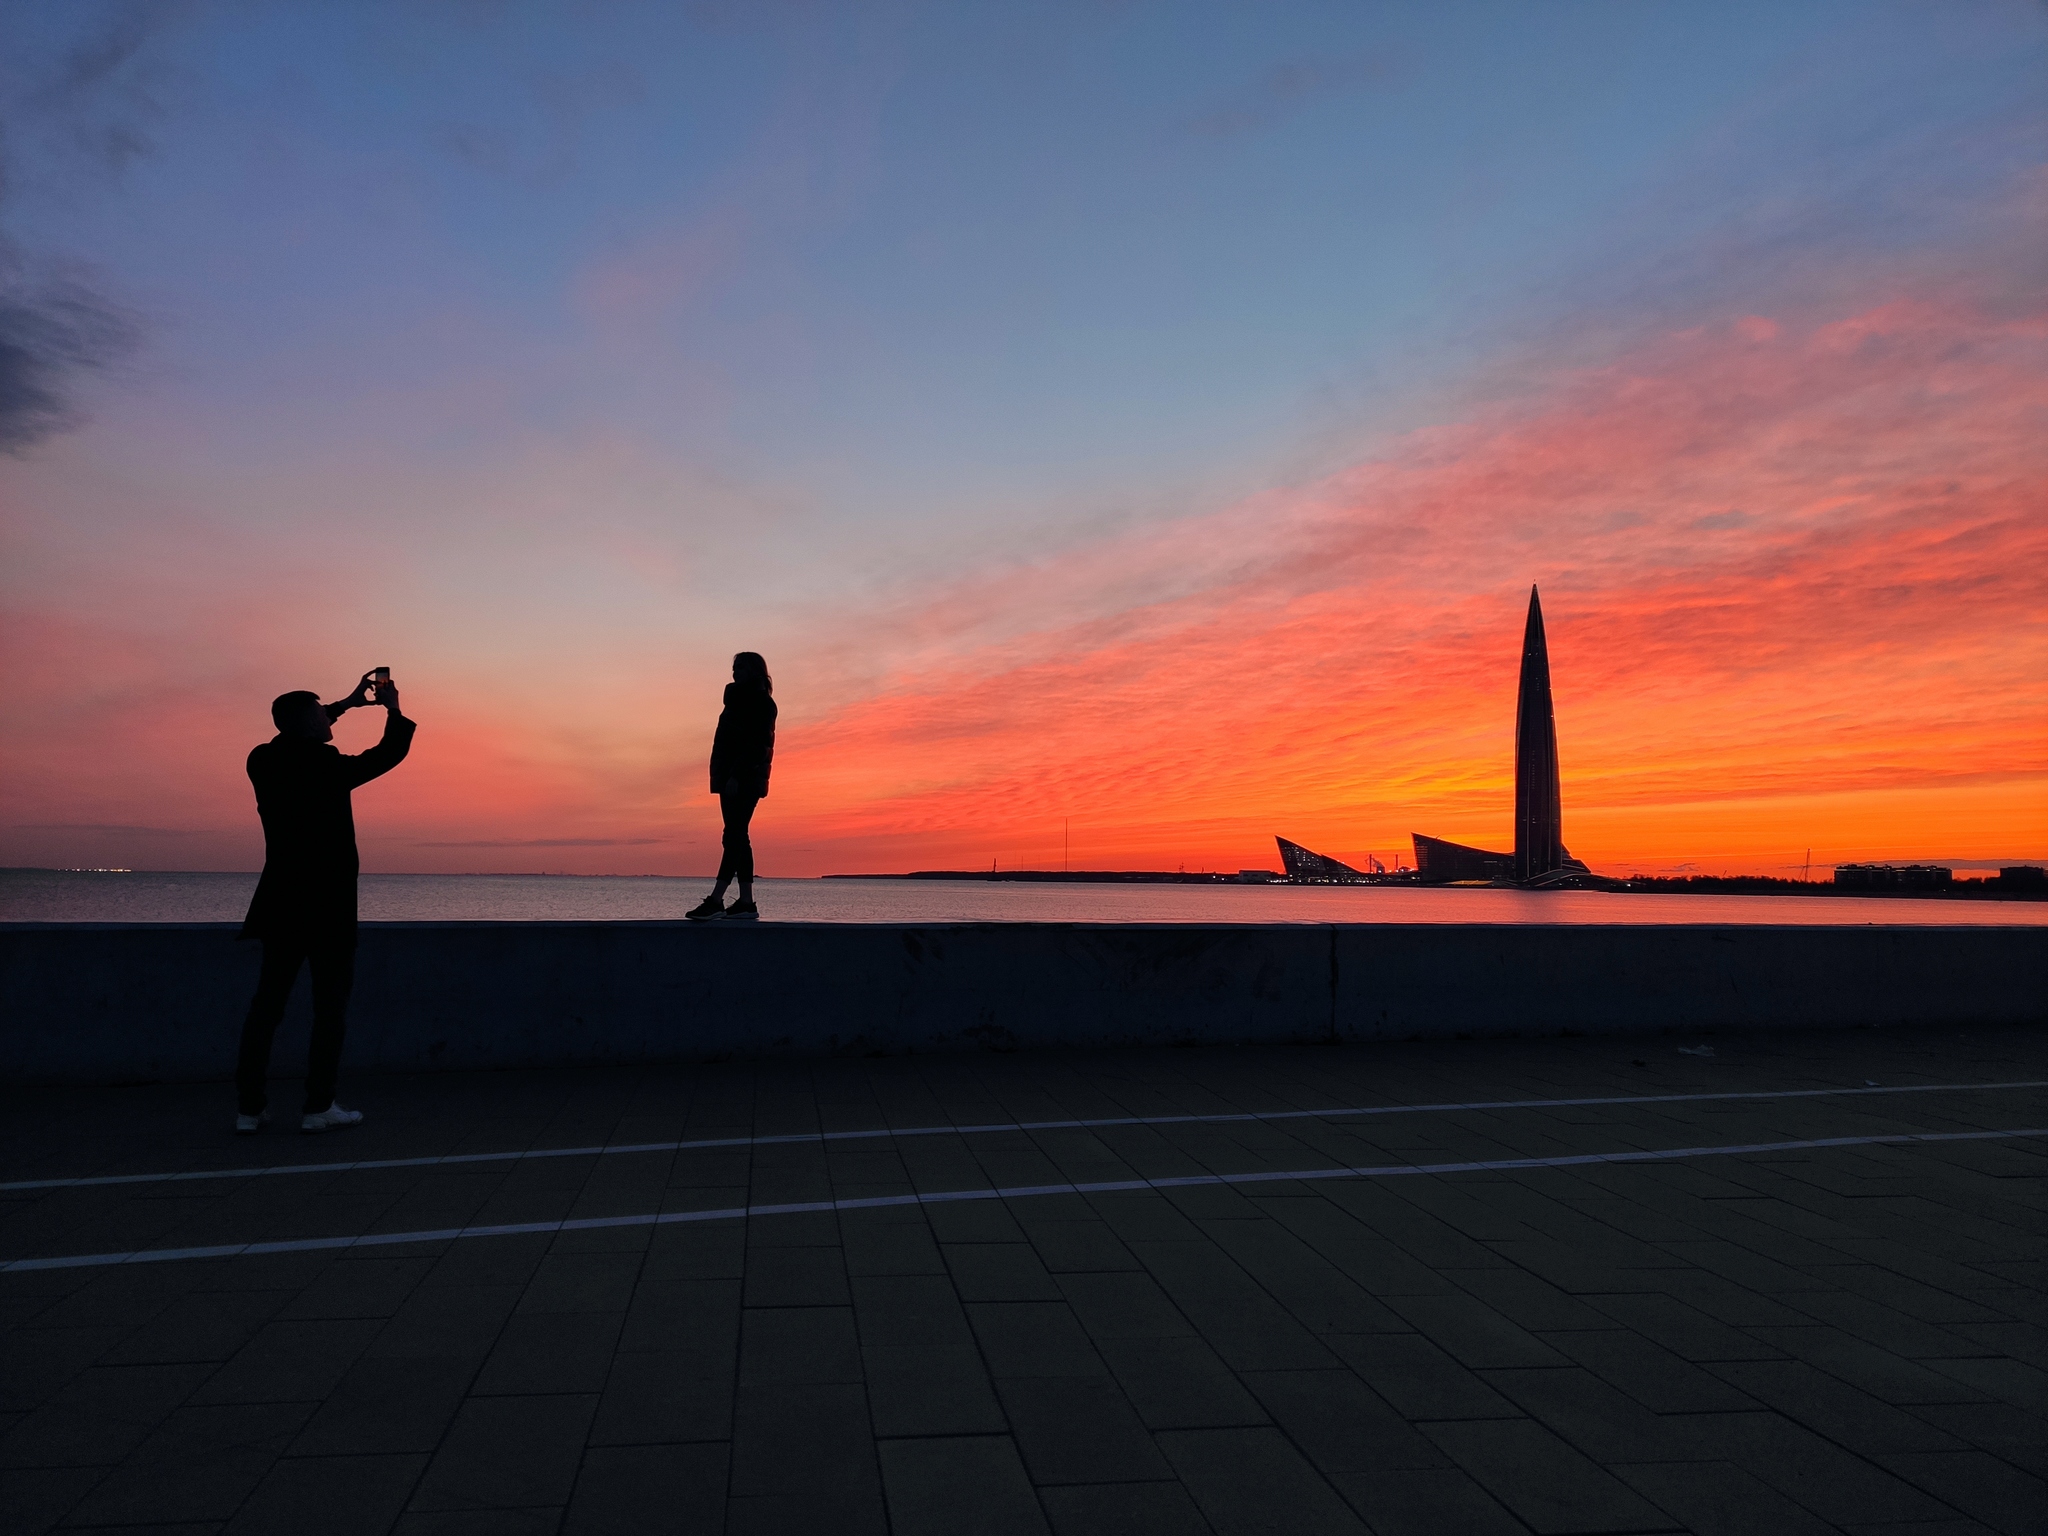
point(1258, 877)
point(1540, 857)
point(2023, 877)
point(1306, 867)
point(1440, 863)
point(1893, 877)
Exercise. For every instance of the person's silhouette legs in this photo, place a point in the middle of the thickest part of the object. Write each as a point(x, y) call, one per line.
point(333, 964)
point(737, 807)
point(334, 977)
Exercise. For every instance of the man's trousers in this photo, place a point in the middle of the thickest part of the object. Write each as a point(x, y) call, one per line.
point(333, 959)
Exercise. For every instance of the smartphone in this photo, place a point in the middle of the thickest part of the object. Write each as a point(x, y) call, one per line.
point(379, 676)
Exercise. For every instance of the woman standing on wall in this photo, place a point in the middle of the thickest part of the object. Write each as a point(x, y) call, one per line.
point(740, 755)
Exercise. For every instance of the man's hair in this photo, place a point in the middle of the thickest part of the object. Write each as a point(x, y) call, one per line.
point(287, 707)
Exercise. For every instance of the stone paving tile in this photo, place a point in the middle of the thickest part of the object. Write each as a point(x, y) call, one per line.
point(551, 1353)
point(1993, 1491)
point(447, 1321)
point(199, 1464)
point(2010, 1381)
point(1253, 1481)
point(291, 1362)
point(329, 1495)
point(891, 1248)
point(1319, 1296)
point(1033, 1338)
point(1123, 1509)
point(2016, 1437)
point(799, 1344)
point(1717, 1498)
point(629, 1490)
point(701, 1316)
point(37, 1498)
point(1542, 1480)
point(1419, 1379)
point(1834, 1409)
point(100, 1416)
point(208, 1325)
point(812, 1443)
point(1119, 1305)
point(1241, 1319)
point(1833, 1483)
point(1849, 1339)
point(388, 1406)
point(1472, 1333)
point(360, 1287)
point(1079, 1430)
point(1426, 1503)
point(1340, 1423)
point(507, 1453)
point(999, 1272)
point(1685, 1330)
point(1595, 1419)
point(1181, 1384)
point(930, 1389)
point(542, 1521)
point(1647, 1372)
point(657, 1397)
point(941, 1487)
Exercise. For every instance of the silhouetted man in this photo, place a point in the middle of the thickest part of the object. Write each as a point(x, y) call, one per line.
point(305, 904)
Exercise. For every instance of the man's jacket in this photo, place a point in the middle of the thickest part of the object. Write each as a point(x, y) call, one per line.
point(308, 887)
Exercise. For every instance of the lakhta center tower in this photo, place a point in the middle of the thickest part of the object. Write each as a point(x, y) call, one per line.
point(1540, 857)
point(1539, 840)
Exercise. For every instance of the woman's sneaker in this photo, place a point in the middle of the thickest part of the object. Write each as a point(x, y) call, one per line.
point(742, 909)
point(249, 1125)
point(705, 910)
point(332, 1118)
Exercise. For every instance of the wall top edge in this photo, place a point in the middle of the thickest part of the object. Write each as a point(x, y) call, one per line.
point(638, 925)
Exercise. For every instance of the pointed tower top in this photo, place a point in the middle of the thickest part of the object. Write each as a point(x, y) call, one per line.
point(1539, 845)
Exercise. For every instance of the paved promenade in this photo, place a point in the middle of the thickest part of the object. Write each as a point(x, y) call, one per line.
point(781, 1298)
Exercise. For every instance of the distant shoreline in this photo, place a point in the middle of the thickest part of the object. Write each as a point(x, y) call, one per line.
point(1688, 885)
point(1980, 889)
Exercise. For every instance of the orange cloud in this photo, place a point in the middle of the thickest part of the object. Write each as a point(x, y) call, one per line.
point(1794, 576)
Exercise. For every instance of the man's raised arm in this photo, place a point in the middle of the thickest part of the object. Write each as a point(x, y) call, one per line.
point(390, 751)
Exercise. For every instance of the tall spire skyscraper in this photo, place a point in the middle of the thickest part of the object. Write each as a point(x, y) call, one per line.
point(1539, 838)
point(1540, 857)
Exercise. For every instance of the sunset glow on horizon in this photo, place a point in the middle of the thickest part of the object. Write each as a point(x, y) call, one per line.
point(1045, 538)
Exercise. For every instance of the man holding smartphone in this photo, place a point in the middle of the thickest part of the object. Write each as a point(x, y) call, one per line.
point(304, 910)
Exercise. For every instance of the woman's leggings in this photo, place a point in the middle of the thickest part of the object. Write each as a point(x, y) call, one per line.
point(738, 809)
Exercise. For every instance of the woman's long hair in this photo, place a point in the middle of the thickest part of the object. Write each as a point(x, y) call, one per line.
point(749, 667)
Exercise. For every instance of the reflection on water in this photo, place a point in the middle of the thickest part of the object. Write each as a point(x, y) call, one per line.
point(77, 897)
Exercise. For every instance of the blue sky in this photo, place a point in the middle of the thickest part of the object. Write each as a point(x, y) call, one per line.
point(902, 259)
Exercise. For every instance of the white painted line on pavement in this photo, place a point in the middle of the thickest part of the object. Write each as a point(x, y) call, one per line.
point(1014, 1192)
point(455, 1159)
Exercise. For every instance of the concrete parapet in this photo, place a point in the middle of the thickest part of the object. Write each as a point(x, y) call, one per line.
point(90, 1002)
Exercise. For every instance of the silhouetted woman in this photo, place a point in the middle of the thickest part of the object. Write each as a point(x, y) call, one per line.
point(740, 755)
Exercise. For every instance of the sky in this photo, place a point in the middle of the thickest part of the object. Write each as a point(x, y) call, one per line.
point(1130, 431)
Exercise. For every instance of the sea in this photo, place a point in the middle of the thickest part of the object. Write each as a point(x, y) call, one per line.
point(98, 896)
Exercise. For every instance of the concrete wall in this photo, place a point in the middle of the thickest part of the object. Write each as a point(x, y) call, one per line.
point(144, 1002)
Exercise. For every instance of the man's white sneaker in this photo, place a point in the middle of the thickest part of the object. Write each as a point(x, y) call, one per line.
point(332, 1118)
point(249, 1125)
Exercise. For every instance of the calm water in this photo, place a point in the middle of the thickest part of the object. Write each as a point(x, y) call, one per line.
point(63, 896)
